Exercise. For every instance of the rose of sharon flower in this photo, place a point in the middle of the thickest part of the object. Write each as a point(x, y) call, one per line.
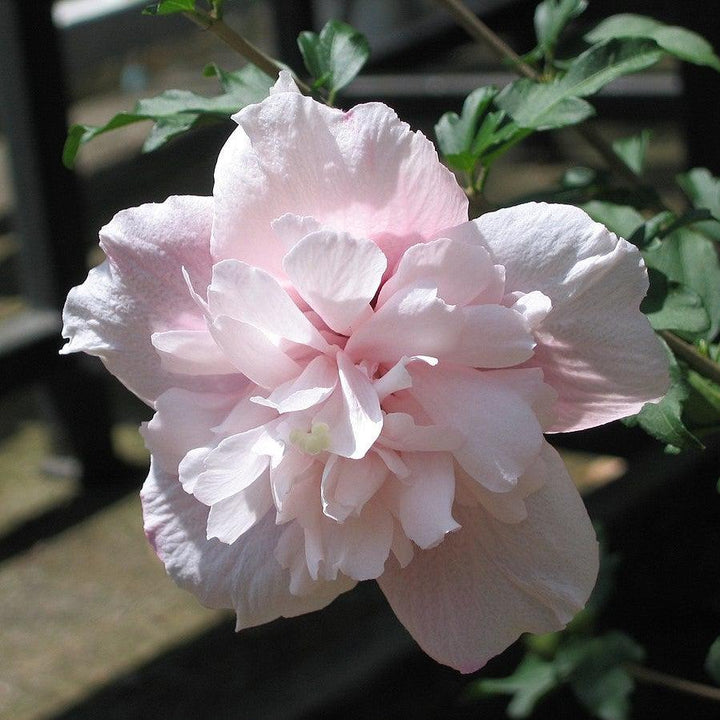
point(351, 381)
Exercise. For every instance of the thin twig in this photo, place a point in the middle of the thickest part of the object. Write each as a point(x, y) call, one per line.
point(479, 31)
point(704, 365)
point(655, 677)
point(238, 43)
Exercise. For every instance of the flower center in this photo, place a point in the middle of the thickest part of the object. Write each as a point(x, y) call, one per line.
point(313, 442)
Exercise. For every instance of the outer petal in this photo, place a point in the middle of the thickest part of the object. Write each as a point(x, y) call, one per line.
point(245, 576)
point(140, 290)
point(362, 172)
point(595, 347)
point(473, 595)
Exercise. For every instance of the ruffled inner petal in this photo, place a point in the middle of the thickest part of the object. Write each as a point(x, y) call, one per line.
point(191, 352)
point(414, 321)
point(337, 275)
point(494, 410)
point(423, 503)
point(352, 413)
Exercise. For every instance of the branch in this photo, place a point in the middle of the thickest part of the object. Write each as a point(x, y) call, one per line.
point(655, 677)
point(238, 43)
point(696, 360)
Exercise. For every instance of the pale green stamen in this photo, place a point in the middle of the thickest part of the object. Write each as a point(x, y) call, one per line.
point(313, 442)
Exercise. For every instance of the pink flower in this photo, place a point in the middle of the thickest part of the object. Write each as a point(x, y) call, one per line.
point(351, 381)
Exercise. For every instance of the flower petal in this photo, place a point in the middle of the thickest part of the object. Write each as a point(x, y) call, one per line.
point(495, 410)
point(473, 595)
point(493, 337)
point(183, 420)
point(460, 271)
point(337, 275)
point(191, 352)
point(252, 296)
point(253, 353)
point(423, 502)
point(140, 290)
point(595, 347)
point(311, 387)
point(363, 172)
point(230, 518)
point(414, 321)
point(245, 576)
point(352, 412)
point(348, 484)
point(235, 464)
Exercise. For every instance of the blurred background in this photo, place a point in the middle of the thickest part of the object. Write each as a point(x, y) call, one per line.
point(90, 626)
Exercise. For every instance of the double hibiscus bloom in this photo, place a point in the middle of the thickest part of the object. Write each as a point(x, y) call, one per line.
point(351, 381)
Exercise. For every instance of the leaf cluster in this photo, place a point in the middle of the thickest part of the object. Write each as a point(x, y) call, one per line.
point(176, 111)
point(334, 56)
point(558, 93)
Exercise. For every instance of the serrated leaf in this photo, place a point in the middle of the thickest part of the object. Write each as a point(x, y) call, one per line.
point(532, 680)
point(677, 41)
point(544, 106)
point(176, 111)
point(623, 220)
point(712, 661)
point(551, 17)
point(669, 306)
point(632, 150)
point(663, 420)
point(335, 56)
point(170, 7)
point(703, 189)
point(690, 258)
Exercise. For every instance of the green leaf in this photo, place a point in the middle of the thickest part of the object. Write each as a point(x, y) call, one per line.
point(703, 189)
point(595, 669)
point(479, 134)
point(551, 17)
point(175, 111)
point(335, 56)
point(702, 408)
point(623, 220)
point(170, 7)
point(663, 420)
point(538, 106)
point(712, 662)
point(632, 150)
point(670, 306)
point(544, 106)
point(455, 133)
point(532, 680)
point(689, 258)
point(677, 41)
